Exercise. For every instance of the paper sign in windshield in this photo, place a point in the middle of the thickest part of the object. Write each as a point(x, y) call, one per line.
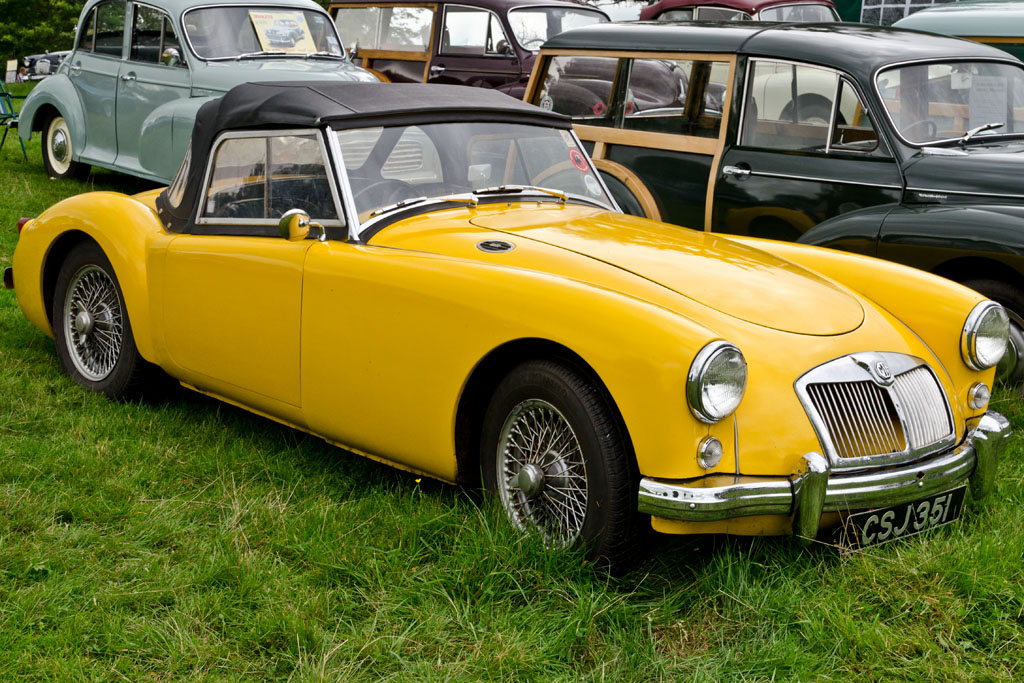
point(988, 100)
point(282, 31)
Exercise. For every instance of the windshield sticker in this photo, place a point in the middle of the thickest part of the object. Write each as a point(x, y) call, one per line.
point(593, 188)
point(988, 100)
point(578, 160)
point(546, 103)
point(598, 108)
point(282, 31)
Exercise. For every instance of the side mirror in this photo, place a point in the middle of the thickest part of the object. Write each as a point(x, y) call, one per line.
point(354, 50)
point(295, 225)
point(504, 48)
point(171, 57)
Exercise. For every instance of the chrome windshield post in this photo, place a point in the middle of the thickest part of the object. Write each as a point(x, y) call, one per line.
point(341, 175)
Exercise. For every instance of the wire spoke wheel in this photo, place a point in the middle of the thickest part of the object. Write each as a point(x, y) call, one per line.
point(542, 479)
point(93, 323)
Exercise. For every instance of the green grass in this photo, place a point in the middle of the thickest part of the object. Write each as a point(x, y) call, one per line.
point(185, 539)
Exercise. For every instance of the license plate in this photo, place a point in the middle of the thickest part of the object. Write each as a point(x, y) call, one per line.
point(906, 519)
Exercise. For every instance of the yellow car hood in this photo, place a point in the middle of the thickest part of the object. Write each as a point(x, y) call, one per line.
point(732, 278)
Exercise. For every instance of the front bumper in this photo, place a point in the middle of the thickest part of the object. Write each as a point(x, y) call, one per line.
point(815, 490)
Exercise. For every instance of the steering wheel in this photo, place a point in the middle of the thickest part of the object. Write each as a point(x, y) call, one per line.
point(533, 41)
point(380, 193)
point(930, 129)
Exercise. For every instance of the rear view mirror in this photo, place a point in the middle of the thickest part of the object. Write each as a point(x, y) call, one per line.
point(295, 225)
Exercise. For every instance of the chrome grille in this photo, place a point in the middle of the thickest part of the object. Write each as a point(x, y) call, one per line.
point(873, 408)
point(860, 417)
point(924, 405)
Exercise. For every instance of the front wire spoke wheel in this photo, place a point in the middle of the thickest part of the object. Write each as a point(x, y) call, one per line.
point(93, 323)
point(543, 481)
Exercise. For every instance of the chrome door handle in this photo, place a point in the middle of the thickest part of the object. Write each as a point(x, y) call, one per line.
point(74, 68)
point(436, 69)
point(736, 170)
point(127, 77)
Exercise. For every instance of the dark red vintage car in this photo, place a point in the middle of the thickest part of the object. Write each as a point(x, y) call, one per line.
point(487, 43)
point(790, 11)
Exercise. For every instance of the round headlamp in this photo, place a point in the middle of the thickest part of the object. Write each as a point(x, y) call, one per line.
point(983, 340)
point(716, 381)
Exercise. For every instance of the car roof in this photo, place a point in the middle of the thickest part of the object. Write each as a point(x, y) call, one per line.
point(858, 49)
point(744, 5)
point(986, 18)
point(486, 4)
point(260, 106)
point(176, 7)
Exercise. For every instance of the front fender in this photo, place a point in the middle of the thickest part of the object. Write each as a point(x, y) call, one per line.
point(165, 136)
point(121, 225)
point(856, 231)
point(58, 92)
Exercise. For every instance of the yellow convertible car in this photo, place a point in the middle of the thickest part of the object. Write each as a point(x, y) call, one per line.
point(437, 278)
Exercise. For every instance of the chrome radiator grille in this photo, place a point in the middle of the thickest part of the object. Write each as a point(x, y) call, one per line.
point(874, 408)
point(860, 417)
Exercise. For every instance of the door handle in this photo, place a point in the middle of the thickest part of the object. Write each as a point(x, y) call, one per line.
point(127, 77)
point(74, 69)
point(740, 170)
point(436, 69)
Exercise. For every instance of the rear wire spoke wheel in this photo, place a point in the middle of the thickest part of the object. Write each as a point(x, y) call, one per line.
point(93, 335)
point(555, 454)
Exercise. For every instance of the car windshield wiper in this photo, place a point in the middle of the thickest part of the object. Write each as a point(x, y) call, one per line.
point(966, 137)
point(261, 53)
point(469, 200)
point(510, 189)
point(323, 54)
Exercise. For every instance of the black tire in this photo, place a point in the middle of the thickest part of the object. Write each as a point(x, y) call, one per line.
point(58, 155)
point(1010, 370)
point(593, 481)
point(93, 335)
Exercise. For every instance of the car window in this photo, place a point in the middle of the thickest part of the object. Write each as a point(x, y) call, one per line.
point(110, 28)
point(853, 130)
point(788, 106)
point(676, 15)
point(87, 33)
point(385, 28)
point(471, 31)
point(153, 38)
point(720, 14)
point(675, 96)
point(533, 26)
point(227, 32)
point(255, 180)
point(799, 14)
point(579, 87)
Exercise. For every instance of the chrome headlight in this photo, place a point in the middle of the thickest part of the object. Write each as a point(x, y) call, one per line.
point(716, 381)
point(983, 340)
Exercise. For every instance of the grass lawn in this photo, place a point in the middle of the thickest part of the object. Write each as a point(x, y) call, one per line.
point(186, 539)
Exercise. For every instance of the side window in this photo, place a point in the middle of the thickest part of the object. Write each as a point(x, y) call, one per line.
point(470, 31)
point(721, 14)
point(853, 130)
point(255, 180)
point(87, 33)
point(683, 97)
point(676, 15)
point(110, 28)
point(788, 106)
point(153, 38)
point(385, 28)
point(580, 87)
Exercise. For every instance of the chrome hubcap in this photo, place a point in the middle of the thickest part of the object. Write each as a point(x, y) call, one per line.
point(93, 324)
point(542, 478)
point(59, 145)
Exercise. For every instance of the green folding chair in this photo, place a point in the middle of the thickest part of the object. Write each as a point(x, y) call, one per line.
point(9, 117)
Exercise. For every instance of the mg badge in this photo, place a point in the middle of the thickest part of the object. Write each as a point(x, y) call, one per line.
point(882, 370)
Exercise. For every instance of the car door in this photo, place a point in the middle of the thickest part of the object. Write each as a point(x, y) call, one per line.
point(807, 150)
point(94, 70)
point(473, 50)
point(154, 74)
point(395, 40)
point(233, 288)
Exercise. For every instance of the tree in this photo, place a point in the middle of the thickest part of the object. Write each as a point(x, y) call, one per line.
point(32, 26)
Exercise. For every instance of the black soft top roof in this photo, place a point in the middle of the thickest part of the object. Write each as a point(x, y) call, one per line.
point(253, 106)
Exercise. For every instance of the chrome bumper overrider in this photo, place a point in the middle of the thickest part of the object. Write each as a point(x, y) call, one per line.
point(814, 489)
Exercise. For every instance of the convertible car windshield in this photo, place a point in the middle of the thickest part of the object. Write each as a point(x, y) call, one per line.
point(534, 25)
point(237, 32)
point(393, 167)
point(954, 101)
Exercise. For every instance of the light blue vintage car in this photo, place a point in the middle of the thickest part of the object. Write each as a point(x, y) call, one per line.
point(127, 96)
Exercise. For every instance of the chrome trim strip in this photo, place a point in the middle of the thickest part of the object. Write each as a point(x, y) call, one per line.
point(816, 488)
point(963, 193)
point(832, 181)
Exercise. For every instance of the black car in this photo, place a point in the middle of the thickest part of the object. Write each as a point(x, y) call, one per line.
point(40, 66)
